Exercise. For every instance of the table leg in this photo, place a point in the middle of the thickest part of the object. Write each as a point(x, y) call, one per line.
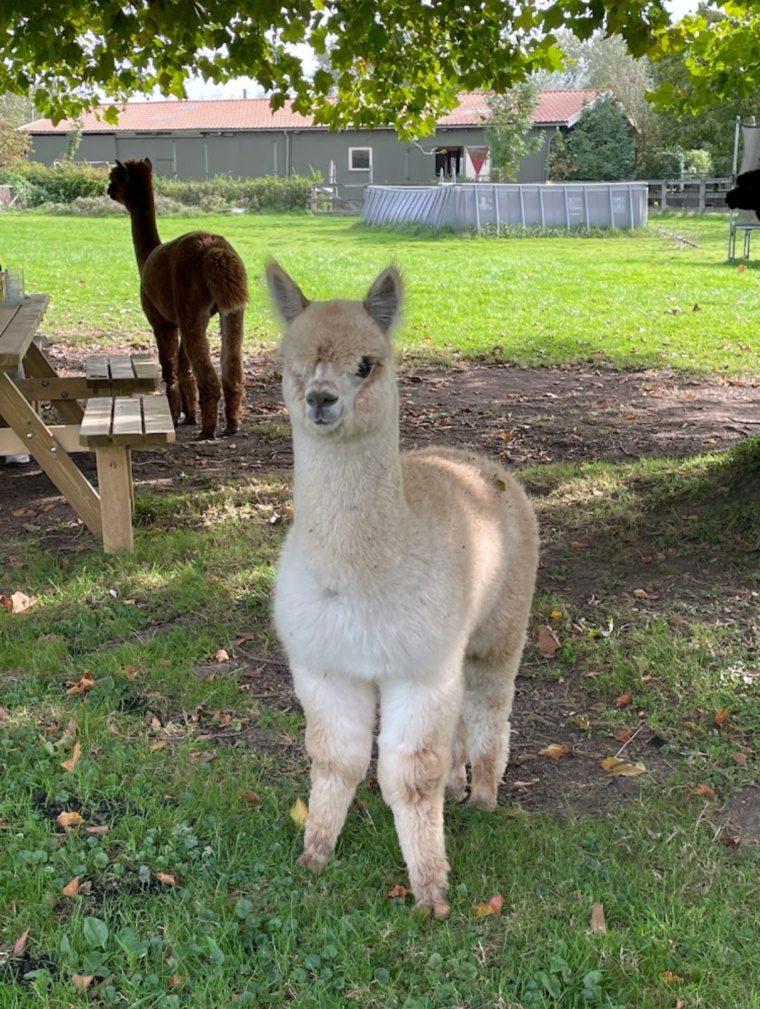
point(37, 365)
point(115, 485)
point(53, 459)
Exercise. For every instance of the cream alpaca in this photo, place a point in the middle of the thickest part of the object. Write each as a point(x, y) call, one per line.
point(407, 577)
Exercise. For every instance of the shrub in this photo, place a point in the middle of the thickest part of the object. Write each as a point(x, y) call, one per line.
point(222, 192)
point(599, 147)
point(40, 184)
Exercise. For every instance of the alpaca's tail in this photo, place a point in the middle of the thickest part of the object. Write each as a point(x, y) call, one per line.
point(225, 275)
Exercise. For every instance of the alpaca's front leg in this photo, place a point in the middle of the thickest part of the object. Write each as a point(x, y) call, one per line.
point(418, 721)
point(340, 718)
point(233, 384)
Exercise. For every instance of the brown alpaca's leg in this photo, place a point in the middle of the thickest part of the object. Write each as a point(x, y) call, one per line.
point(209, 389)
point(232, 369)
point(167, 342)
point(188, 388)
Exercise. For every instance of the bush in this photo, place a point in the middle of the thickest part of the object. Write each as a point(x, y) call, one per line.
point(598, 149)
point(38, 185)
point(676, 163)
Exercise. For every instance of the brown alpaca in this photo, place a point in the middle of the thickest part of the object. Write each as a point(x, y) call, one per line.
point(182, 284)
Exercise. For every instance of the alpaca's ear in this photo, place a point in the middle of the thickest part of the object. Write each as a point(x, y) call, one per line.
point(148, 162)
point(383, 301)
point(123, 168)
point(287, 296)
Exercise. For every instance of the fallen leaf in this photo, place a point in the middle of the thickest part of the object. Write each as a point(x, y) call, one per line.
point(671, 978)
point(20, 944)
point(499, 482)
point(82, 981)
point(202, 756)
point(703, 791)
point(167, 878)
point(740, 758)
point(72, 888)
point(221, 655)
point(18, 602)
point(100, 830)
point(624, 735)
point(86, 683)
point(577, 545)
point(730, 840)
point(548, 642)
point(618, 768)
point(131, 672)
point(251, 798)
point(298, 813)
point(69, 820)
point(522, 785)
point(71, 763)
point(555, 614)
point(721, 718)
point(399, 890)
point(640, 594)
point(556, 751)
point(598, 920)
point(680, 1003)
point(494, 906)
point(625, 700)
point(159, 744)
point(176, 981)
point(741, 267)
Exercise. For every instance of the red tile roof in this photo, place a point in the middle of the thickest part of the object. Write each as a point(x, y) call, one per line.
point(554, 108)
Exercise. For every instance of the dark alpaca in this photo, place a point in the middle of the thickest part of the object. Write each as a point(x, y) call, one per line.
point(182, 284)
point(746, 195)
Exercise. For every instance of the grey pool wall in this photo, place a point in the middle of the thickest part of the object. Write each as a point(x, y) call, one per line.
point(550, 205)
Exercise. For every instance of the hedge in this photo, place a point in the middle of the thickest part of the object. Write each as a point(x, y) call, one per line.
point(79, 186)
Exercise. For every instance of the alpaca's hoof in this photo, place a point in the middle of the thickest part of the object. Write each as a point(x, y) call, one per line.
point(438, 909)
point(478, 800)
point(189, 419)
point(207, 435)
point(230, 430)
point(313, 861)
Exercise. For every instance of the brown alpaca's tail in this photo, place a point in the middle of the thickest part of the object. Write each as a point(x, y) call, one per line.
point(226, 278)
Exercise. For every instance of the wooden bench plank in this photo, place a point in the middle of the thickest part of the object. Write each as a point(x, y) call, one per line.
point(19, 330)
point(96, 423)
point(121, 374)
point(157, 418)
point(142, 422)
point(127, 427)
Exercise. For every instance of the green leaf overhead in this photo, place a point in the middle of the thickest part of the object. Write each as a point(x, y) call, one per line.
point(397, 62)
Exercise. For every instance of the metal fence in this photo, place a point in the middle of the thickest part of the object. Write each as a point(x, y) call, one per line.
point(502, 205)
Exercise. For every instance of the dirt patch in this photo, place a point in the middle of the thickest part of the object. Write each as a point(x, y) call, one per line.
point(743, 813)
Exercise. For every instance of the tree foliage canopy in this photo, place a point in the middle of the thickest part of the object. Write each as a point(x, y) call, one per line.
point(398, 62)
point(599, 147)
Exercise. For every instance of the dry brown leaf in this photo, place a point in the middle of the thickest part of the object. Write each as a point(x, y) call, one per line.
point(85, 684)
point(167, 878)
point(298, 813)
point(624, 735)
point(625, 700)
point(598, 920)
point(671, 978)
point(221, 655)
point(548, 642)
point(71, 763)
point(577, 545)
point(399, 890)
point(69, 820)
point(721, 718)
point(522, 785)
point(176, 981)
point(20, 944)
point(740, 758)
point(640, 594)
point(82, 981)
point(494, 906)
point(680, 1003)
point(17, 602)
point(251, 798)
point(72, 888)
point(99, 830)
point(131, 672)
point(202, 756)
point(556, 751)
point(703, 791)
point(159, 744)
point(730, 840)
point(618, 768)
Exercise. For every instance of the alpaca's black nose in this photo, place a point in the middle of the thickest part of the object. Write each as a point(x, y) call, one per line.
point(318, 398)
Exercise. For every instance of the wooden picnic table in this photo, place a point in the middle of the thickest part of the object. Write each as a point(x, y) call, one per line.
point(112, 422)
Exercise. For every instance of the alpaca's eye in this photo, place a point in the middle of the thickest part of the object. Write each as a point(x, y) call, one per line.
point(365, 367)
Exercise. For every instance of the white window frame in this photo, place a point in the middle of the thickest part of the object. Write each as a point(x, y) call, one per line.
point(351, 159)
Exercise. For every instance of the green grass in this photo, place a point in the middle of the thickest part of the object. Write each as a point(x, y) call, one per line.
point(631, 299)
point(193, 898)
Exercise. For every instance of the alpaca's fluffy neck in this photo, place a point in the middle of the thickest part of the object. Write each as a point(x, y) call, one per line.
point(349, 502)
point(144, 228)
